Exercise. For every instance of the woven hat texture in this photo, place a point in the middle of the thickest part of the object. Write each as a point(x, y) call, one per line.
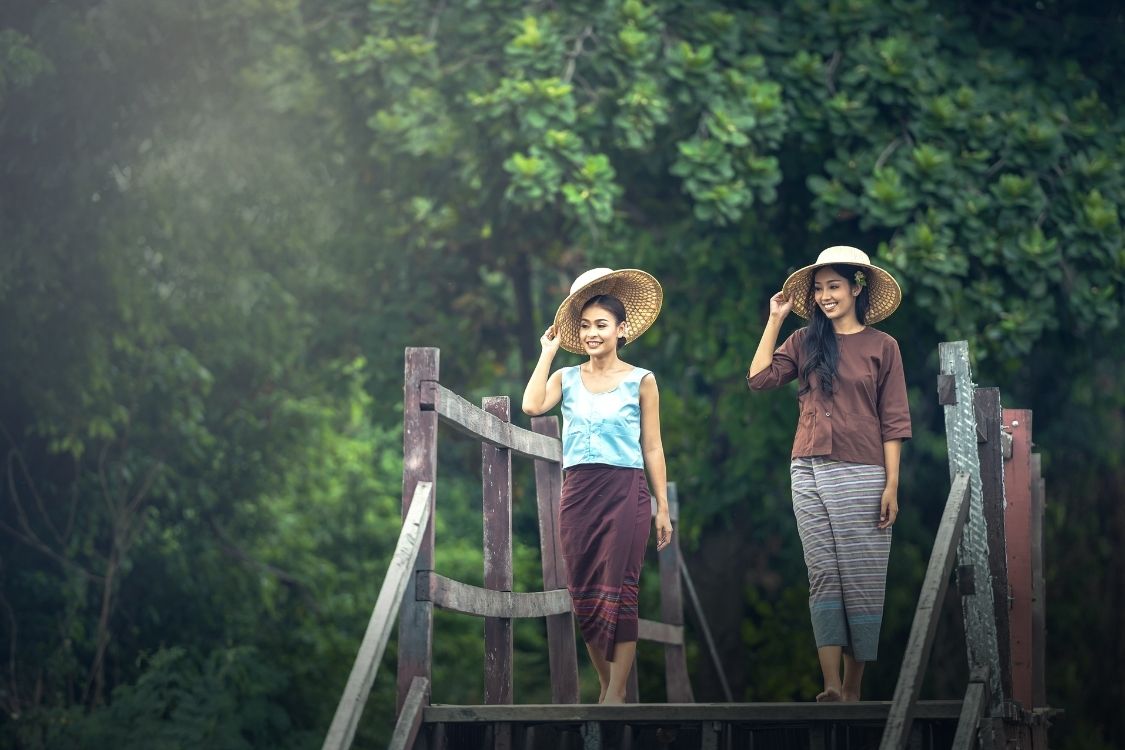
point(639, 292)
point(884, 293)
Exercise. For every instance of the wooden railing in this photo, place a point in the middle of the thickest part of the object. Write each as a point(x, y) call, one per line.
point(991, 524)
point(412, 588)
point(996, 484)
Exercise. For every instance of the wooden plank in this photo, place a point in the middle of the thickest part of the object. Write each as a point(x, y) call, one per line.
point(991, 456)
point(977, 611)
point(468, 419)
point(561, 650)
point(922, 630)
point(677, 681)
point(455, 596)
point(1017, 523)
point(419, 464)
point(705, 629)
point(671, 713)
point(972, 709)
point(410, 718)
point(496, 489)
point(387, 605)
point(1038, 591)
point(591, 736)
point(710, 733)
point(946, 389)
point(660, 632)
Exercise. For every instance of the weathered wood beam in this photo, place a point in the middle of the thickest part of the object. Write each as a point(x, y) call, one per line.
point(419, 464)
point(455, 596)
point(972, 709)
point(410, 718)
point(366, 666)
point(470, 420)
point(670, 713)
point(990, 453)
point(677, 681)
point(562, 653)
point(496, 491)
point(660, 632)
point(921, 640)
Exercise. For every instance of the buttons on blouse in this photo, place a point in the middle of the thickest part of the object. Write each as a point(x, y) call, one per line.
point(828, 414)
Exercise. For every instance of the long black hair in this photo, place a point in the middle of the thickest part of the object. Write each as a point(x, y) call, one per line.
point(615, 308)
point(821, 357)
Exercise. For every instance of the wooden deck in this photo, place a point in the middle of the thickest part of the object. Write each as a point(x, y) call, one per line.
point(683, 726)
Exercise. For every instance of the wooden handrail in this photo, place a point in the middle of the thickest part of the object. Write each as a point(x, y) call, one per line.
point(456, 596)
point(366, 666)
point(922, 631)
point(475, 422)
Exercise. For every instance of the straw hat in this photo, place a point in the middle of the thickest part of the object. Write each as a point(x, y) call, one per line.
point(638, 291)
point(883, 292)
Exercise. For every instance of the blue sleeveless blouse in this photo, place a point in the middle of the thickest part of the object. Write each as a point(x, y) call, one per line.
point(602, 428)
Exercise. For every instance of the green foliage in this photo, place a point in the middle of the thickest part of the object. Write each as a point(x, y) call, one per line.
point(221, 222)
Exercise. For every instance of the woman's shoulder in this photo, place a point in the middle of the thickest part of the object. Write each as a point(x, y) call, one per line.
point(882, 338)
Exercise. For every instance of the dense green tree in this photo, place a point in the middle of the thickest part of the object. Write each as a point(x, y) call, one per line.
point(221, 222)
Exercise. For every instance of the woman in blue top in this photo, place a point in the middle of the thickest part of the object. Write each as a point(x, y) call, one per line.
point(611, 434)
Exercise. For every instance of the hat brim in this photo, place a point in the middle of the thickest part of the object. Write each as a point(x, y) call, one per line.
point(883, 292)
point(640, 293)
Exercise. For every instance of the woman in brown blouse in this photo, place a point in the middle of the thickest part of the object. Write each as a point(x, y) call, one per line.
point(853, 419)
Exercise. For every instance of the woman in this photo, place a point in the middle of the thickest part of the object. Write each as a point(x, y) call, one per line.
point(611, 434)
point(854, 417)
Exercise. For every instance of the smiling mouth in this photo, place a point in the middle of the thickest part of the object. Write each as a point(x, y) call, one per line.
point(829, 306)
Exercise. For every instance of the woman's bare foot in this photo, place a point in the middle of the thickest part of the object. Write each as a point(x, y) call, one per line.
point(848, 696)
point(830, 695)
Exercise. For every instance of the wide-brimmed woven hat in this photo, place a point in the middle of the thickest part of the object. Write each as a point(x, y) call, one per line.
point(638, 291)
point(884, 293)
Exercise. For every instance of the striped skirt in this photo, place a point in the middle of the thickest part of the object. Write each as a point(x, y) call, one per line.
point(604, 516)
point(837, 508)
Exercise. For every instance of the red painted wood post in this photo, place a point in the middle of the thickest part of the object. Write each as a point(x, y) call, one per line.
point(560, 628)
point(496, 481)
point(1017, 525)
point(678, 684)
point(419, 464)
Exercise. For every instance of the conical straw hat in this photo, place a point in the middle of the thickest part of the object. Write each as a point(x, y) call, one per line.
point(638, 291)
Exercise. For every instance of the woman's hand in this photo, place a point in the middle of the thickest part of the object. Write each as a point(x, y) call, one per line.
point(663, 526)
point(888, 509)
point(550, 341)
point(780, 306)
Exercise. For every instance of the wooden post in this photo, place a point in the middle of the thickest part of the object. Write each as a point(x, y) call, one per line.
point(678, 684)
point(990, 450)
point(1038, 592)
point(419, 464)
point(977, 609)
point(561, 648)
point(1017, 522)
point(496, 481)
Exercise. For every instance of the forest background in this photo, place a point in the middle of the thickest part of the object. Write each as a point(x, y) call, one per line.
point(222, 221)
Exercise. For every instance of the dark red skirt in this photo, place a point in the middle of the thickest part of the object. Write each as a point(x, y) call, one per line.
point(604, 520)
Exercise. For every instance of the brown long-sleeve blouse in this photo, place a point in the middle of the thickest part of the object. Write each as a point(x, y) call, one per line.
point(868, 405)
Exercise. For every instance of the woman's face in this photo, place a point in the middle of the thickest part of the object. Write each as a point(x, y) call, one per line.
point(834, 294)
point(598, 330)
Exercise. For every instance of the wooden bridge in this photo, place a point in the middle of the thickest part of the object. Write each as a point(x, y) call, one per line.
point(991, 527)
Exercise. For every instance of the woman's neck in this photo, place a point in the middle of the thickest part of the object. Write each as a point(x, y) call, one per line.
point(845, 326)
point(607, 362)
